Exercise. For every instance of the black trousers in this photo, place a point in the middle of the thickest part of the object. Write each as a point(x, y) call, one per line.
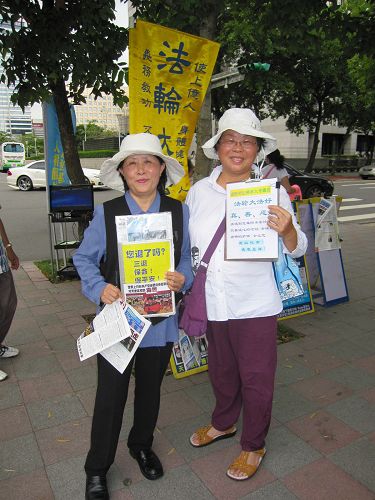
point(8, 303)
point(112, 391)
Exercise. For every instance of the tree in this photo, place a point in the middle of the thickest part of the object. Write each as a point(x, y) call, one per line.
point(58, 48)
point(307, 52)
point(92, 130)
point(4, 137)
point(305, 43)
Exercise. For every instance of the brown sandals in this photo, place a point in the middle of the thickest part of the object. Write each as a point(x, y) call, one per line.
point(204, 439)
point(240, 464)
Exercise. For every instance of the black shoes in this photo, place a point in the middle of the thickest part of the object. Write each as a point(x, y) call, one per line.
point(149, 463)
point(96, 488)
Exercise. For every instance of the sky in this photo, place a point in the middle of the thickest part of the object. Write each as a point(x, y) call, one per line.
point(121, 20)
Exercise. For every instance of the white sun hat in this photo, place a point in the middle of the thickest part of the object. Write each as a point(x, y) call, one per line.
point(241, 120)
point(138, 144)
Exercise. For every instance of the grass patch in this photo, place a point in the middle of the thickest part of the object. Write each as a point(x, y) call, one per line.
point(88, 317)
point(46, 267)
point(286, 334)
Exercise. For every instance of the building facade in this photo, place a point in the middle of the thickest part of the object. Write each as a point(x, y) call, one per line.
point(331, 138)
point(103, 112)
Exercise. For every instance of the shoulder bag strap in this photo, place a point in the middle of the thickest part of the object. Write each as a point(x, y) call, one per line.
point(214, 243)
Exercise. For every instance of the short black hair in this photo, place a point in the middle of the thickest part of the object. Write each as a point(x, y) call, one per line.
point(162, 181)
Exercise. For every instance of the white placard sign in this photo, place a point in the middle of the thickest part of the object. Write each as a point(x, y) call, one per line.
point(247, 233)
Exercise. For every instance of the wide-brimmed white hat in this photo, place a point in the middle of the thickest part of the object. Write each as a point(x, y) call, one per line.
point(241, 120)
point(138, 144)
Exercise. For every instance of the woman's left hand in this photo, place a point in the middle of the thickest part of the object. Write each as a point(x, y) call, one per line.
point(281, 221)
point(175, 280)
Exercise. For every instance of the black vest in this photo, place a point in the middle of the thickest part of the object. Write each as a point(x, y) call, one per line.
point(118, 206)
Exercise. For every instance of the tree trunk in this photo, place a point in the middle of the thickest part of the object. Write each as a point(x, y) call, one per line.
point(72, 161)
point(311, 161)
point(345, 138)
point(204, 128)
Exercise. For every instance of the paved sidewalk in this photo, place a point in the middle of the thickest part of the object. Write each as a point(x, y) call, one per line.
point(322, 440)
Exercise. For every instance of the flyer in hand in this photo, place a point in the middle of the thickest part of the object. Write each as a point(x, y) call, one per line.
point(247, 233)
point(145, 247)
point(115, 333)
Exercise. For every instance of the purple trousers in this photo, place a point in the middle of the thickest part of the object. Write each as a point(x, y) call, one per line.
point(241, 364)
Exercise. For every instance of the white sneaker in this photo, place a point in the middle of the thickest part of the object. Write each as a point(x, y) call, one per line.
point(3, 375)
point(8, 352)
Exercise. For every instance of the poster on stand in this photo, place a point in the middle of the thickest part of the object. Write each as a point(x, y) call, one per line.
point(297, 298)
point(247, 233)
point(330, 287)
point(189, 356)
point(327, 227)
point(145, 248)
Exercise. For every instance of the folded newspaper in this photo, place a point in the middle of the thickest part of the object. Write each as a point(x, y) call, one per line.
point(115, 333)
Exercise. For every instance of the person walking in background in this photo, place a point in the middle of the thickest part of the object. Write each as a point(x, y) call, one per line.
point(8, 296)
point(141, 170)
point(241, 295)
point(274, 169)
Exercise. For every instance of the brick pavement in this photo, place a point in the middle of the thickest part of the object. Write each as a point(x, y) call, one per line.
point(322, 438)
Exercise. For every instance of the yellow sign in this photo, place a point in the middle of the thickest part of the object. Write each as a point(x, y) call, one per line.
point(169, 73)
point(253, 191)
point(146, 262)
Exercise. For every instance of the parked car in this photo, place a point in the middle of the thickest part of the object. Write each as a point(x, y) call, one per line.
point(33, 176)
point(367, 171)
point(311, 185)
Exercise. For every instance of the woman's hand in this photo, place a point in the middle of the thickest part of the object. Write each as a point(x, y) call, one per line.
point(281, 221)
point(175, 280)
point(13, 259)
point(110, 293)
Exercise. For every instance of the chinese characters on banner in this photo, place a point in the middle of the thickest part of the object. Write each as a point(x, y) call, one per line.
point(247, 233)
point(169, 73)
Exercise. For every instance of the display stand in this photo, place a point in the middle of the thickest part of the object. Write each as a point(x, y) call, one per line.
point(64, 237)
point(326, 269)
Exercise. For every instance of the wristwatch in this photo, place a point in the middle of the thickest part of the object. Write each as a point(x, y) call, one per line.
point(9, 245)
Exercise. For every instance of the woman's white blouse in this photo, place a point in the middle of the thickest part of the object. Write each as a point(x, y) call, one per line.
point(234, 289)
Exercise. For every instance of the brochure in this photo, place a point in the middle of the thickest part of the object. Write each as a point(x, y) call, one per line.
point(247, 233)
point(327, 235)
point(189, 355)
point(117, 324)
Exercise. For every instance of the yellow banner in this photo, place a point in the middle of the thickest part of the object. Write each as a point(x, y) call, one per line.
point(169, 73)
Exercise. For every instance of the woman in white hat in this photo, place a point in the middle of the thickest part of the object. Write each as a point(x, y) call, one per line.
point(241, 296)
point(142, 170)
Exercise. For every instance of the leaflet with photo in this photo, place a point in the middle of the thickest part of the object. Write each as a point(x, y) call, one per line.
point(189, 355)
point(146, 253)
point(116, 324)
point(120, 354)
point(327, 235)
point(247, 233)
point(107, 328)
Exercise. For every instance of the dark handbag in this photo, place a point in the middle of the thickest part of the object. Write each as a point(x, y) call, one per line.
point(192, 309)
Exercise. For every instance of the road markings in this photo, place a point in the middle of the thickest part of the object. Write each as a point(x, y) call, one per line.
point(352, 207)
point(362, 184)
point(351, 199)
point(355, 217)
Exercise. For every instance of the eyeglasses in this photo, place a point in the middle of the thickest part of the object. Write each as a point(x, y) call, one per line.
point(245, 143)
